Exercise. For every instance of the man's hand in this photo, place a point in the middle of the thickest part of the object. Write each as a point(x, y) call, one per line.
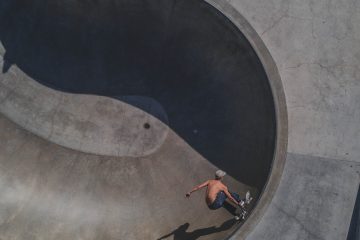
point(197, 188)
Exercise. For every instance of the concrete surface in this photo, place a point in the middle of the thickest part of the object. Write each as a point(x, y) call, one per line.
point(87, 123)
point(315, 45)
point(51, 192)
point(185, 55)
point(139, 52)
point(303, 207)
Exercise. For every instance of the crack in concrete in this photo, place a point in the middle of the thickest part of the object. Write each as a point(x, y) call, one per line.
point(298, 222)
point(276, 22)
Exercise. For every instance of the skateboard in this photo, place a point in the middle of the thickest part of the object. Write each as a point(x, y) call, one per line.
point(242, 211)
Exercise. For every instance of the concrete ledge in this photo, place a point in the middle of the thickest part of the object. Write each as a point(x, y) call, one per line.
point(314, 200)
point(102, 126)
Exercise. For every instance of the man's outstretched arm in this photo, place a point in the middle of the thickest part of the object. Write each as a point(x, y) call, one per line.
point(198, 187)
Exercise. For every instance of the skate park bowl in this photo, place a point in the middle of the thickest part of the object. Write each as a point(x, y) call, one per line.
point(112, 110)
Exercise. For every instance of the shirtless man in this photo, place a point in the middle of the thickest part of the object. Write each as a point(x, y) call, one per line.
point(217, 192)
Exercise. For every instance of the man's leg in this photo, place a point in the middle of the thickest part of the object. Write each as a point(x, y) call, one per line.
point(221, 198)
point(239, 213)
point(236, 196)
point(242, 211)
point(219, 201)
point(246, 200)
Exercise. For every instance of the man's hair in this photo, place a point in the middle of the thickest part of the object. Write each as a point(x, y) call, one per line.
point(219, 174)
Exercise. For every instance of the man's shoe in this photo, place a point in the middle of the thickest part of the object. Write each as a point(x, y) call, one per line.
point(248, 198)
point(243, 216)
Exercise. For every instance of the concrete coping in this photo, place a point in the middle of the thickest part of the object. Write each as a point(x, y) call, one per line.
point(281, 114)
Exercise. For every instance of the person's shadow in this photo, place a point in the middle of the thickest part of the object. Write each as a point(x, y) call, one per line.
point(181, 232)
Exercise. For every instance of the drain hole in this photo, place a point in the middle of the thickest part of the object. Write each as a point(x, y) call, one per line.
point(146, 126)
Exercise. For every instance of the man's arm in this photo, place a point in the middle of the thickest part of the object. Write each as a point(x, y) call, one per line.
point(227, 193)
point(198, 187)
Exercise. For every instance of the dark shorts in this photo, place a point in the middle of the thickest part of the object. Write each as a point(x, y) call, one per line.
point(221, 198)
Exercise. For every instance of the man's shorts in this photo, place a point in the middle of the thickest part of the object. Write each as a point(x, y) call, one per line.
point(221, 198)
point(219, 201)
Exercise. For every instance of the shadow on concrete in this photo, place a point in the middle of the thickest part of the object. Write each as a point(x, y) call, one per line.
point(230, 208)
point(181, 232)
point(184, 55)
point(354, 229)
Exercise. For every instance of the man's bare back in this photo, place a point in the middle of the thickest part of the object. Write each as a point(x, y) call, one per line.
point(213, 188)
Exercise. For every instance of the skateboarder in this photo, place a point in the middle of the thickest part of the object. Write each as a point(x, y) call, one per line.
point(217, 193)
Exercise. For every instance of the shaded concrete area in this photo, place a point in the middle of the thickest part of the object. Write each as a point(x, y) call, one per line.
point(182, 233)
point(183, 54)
point(354, 229)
